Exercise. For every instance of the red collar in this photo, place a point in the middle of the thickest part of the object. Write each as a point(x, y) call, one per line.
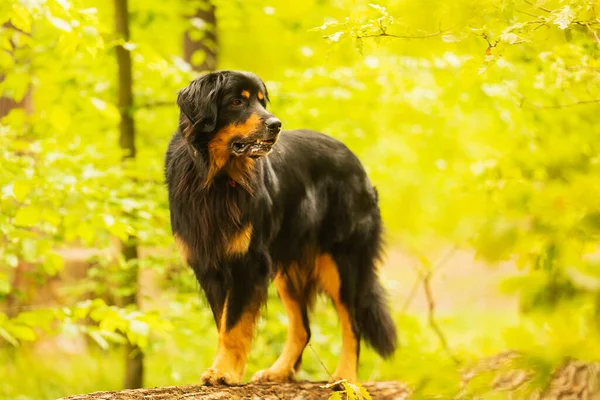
point(232, 182)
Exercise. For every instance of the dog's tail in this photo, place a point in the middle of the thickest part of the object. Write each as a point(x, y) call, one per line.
point(374, 320)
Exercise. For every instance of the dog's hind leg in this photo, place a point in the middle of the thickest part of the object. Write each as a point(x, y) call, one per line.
point(328, 279)
point(298, 335)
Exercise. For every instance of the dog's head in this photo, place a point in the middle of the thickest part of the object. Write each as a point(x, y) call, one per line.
point(225, 114)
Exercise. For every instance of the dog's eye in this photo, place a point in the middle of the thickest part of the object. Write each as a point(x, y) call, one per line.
point(237, 102)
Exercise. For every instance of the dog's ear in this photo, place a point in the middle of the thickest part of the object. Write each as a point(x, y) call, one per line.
point(266, 91)
point(199, 103)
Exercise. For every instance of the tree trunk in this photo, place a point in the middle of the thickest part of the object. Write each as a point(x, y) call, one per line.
point(20, 281)
point(7, 104)
point(206, 44)
point(134, 369)
point(201, 38)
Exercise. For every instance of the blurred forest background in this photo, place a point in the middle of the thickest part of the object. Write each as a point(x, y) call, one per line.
point(476, 119)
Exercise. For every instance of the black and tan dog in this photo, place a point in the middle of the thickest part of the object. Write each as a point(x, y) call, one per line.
point(250, 204)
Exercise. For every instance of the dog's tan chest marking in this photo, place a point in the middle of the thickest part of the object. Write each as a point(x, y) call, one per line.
point(184, 250)
point(240, 242)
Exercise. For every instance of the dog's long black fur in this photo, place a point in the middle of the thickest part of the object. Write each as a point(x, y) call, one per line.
point(298, 193)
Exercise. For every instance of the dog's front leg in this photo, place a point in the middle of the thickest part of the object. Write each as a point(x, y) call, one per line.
point(244, 296)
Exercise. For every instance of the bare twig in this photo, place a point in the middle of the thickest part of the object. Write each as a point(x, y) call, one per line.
point(441, 262)
point(577, 103)
point(321, 361)
point(594, 33)
point(411, 295)
point(539, 7)
point(529, 14)
point(156, 104)
point(431, 316)
point(490, 44)
point(424, 278)
point(538, 106)
point(383, 33)
point(437, 265)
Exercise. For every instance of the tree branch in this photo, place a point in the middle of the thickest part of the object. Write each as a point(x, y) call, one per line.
point(539, 7)
point(437, 266)
point(383, 33)
point(321, 361)
point(528, 14)
point(594, 33)
point(411, 295)
point(156, 104)
point(577, 103)
point(426, 282)
point(431, 316)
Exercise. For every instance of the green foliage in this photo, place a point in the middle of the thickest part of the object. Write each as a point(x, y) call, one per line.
point(350, 391)
point(477, 121)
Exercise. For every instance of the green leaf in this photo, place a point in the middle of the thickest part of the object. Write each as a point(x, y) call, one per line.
point(28, 216)
point(198, 57)
point(336, 396)
point(12, 260)
point(114, 337)
point(364, 392)
point(29, 249)
point(511, 38)
point(60, 24)
point(349, 389)
point(8, 337)
point(21, 332)
point(21, 19)
point(140, 328)
point(568, 35)
point(53, 263)
point(379, 8)
point(564, 17)
point(335, 37)
point(449, 38)
point(60, 118)
point(5, 285)
point(21, 188)
point(99, 339)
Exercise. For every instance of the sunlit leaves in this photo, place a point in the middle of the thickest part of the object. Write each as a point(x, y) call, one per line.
point(350, 391)
point(524, 145)
point(563, 17)
point(62, 177)
point(61, 24)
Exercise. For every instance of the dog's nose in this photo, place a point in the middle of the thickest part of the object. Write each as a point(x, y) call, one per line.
point(273, 125)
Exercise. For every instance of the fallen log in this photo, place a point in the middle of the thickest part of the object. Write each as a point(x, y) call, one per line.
point(267, 391)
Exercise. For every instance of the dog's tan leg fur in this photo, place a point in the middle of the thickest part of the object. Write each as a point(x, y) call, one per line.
point(283, 369)
point(234, 345)
point(328, 279)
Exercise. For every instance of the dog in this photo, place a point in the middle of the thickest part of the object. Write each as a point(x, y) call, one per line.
point(250, 204)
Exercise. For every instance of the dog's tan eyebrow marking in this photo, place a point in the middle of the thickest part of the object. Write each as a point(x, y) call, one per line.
point(246, 94)
point(260, 95)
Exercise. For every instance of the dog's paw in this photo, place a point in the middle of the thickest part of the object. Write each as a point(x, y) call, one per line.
point(215, 377)
point(273, 375)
